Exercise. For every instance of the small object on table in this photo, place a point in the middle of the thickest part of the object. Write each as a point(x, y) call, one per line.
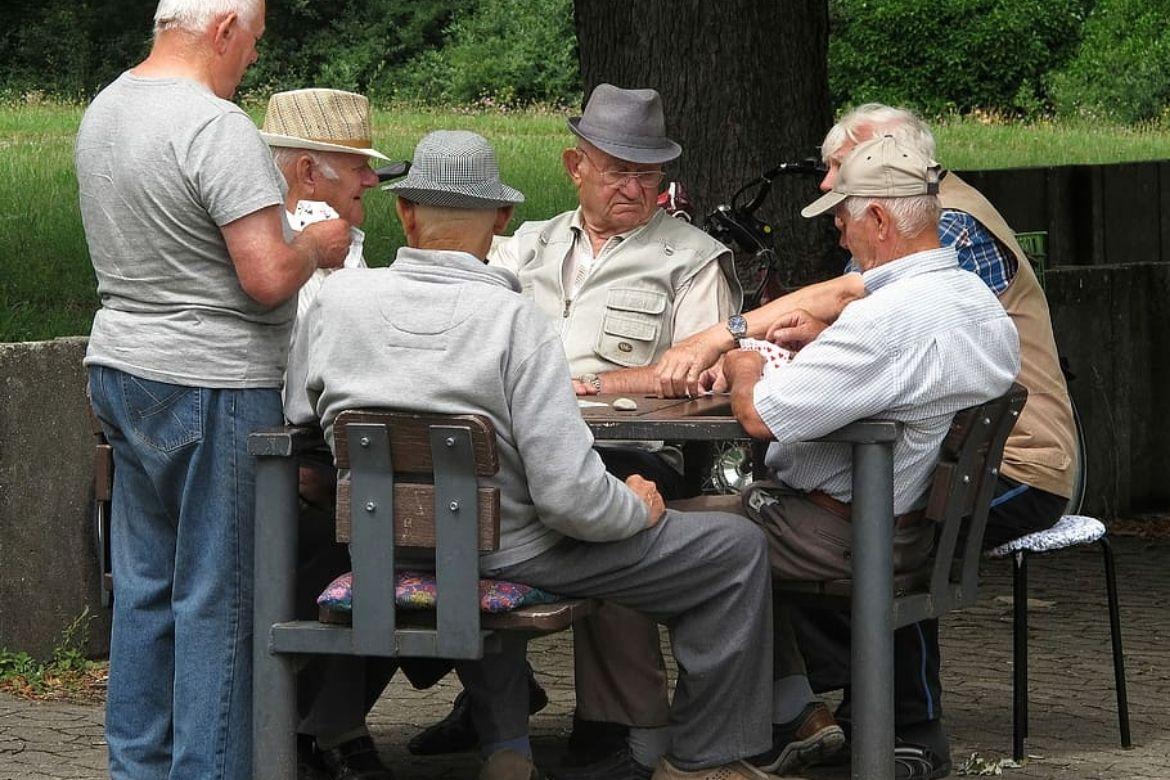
point(625, 404)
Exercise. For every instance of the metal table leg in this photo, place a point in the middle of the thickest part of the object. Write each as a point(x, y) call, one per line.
point(873, 621)
point(274, 755)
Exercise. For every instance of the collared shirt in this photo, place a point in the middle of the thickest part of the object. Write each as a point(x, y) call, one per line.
point(927, 341)
point(312, 285)
point(979, 251)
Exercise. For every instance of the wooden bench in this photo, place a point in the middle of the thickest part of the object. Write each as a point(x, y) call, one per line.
point(414, 491)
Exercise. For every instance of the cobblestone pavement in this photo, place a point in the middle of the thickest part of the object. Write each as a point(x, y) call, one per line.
point(1073, 712)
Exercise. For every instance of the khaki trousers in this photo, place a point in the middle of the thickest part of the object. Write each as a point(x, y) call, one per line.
point(617, 655)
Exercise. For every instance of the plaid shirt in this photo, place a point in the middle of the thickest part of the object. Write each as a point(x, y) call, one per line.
point(979, 251)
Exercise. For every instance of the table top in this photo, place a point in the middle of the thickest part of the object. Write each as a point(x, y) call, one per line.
point(705, 418)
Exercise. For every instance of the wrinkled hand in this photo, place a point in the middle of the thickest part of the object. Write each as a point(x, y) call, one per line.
point(583, 388)
point(330, 238)
point(712, 380)
point(795, 329)
point(742, 365)
point(681, 366)
point(648, 492)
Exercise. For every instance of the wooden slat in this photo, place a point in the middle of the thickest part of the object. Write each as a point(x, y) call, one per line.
point(414, 515)
point(103, 472)
point(410, 446)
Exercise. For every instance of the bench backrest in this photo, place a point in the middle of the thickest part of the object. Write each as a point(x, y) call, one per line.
point(414, 483)
point(961, 493)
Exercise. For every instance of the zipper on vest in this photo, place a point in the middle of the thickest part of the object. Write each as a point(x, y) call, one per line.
point(565, 311)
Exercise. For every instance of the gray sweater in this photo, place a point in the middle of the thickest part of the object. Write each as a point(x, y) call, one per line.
point(442, 332)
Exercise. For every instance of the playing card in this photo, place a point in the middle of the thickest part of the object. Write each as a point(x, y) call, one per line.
point(310, 211)
point(775, 357)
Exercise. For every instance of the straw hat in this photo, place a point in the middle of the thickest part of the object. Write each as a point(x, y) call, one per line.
point(324, 120)
point(456, 169)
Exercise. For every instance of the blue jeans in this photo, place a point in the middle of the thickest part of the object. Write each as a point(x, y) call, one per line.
point(180, 689)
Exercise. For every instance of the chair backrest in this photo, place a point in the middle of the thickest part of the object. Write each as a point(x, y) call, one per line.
point(414, 483)
point(960, 496)
point(103, 494)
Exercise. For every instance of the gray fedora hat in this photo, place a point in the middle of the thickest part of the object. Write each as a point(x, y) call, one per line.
point(455, 169)
point(627, 124)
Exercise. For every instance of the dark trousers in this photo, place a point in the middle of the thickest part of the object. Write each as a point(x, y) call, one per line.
point(824, 635)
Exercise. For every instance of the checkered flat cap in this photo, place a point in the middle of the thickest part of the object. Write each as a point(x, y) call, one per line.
point(455, 169)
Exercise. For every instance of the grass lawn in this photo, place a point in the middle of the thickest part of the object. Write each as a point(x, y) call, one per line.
point(47, 286)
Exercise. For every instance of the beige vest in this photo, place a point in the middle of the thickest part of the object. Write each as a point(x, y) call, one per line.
point(1041, 450)
point(622, 315)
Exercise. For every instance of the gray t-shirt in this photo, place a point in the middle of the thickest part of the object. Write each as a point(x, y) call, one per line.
point(162, 165)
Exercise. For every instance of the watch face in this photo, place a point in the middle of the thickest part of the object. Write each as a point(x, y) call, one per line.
point(737, 325)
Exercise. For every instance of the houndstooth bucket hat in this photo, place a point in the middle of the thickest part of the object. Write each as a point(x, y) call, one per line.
point(455, 169)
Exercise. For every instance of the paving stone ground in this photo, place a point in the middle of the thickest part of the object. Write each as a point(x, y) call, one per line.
point(1073, 728)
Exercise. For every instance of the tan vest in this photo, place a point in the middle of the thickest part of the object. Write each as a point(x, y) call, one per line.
point(623, 314)
point(1041, 450)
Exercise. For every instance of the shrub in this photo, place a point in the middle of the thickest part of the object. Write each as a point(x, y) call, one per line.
point(501, 52)
point(950, 55)
point(1122, 70)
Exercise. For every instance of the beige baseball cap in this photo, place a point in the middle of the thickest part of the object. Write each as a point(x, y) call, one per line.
point(879, 168)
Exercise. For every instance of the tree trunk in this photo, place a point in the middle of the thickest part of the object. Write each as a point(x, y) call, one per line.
point(745, 86)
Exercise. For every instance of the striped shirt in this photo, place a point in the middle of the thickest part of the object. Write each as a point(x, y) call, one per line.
point(928, 340)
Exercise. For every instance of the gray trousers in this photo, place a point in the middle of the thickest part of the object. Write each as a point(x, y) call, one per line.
point(703, 575)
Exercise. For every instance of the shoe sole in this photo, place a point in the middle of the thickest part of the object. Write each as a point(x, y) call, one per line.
point(807, 752)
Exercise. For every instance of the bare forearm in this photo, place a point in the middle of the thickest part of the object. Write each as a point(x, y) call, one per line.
point(743, 404)
point(823, 300)
point(630, 380)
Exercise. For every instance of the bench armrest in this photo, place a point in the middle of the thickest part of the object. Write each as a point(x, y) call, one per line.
point(284, 442)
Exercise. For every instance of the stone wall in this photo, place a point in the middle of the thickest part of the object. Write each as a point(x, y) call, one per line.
point(48, 569)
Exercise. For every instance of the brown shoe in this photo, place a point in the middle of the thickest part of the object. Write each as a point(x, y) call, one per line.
point(736, 770)
point(508, 765)
point(808, 739)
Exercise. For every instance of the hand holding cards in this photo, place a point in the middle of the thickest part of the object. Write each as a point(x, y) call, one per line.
point(310, 211)
point(775, 357)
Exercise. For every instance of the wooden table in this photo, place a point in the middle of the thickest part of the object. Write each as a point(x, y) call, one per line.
point(872, 649)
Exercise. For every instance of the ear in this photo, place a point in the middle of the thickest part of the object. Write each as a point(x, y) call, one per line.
point(223, 30)
point(303, 169)
point(503, 217)
point(881, 218)
point(571, 158)
point(407, 216)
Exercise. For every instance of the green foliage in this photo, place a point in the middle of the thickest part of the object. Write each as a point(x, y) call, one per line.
point(22, 673)
point(1122, 70)
point(500, 53)
point(943, 56)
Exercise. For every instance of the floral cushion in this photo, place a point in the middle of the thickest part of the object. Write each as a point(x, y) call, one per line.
point(417, 590)
point(1069, 531)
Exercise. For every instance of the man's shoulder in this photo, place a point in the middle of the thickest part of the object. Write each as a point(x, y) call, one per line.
point(682, 235)
point(534, 228)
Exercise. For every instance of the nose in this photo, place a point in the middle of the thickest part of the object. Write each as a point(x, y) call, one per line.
point(830, 179)
point(369, 178)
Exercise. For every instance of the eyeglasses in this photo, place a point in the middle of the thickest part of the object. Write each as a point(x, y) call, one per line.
point(647, 180)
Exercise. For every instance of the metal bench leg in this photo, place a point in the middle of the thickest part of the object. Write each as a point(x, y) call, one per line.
point(1019, 653)
point(1115, 635)
point(274, 682)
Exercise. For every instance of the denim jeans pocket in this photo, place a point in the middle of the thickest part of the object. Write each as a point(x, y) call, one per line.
point(163, 416)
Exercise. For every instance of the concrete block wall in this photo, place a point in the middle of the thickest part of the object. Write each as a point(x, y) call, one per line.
point(48, 568)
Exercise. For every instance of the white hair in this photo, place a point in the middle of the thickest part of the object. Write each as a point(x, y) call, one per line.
point(912, 215)
point(879, 119)
point(286, 157)
point(195, 15)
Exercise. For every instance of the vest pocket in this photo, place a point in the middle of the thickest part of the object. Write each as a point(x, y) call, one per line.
point(630, 329)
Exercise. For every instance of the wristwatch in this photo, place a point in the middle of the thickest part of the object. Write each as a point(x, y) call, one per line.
point(593, 380)
point(737, 326)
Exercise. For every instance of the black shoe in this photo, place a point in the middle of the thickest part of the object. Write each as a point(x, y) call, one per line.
point(617, 766)
point(922, 750)
point(354, 760)
point(595, 741)
point(456, 732)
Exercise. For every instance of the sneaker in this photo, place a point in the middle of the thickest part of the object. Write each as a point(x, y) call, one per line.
point(809, 738)
point(507, 764)
point(617, 766)
point(736, 770)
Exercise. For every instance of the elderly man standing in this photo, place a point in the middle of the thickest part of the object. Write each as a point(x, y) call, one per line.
point(928, 340)
point(567, 526)
point(182, 212)
point(623, 281)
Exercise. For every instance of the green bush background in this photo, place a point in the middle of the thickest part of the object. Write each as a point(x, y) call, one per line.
point(1102, 59)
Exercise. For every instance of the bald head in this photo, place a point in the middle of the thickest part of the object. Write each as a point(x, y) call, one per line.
point(449, 229)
